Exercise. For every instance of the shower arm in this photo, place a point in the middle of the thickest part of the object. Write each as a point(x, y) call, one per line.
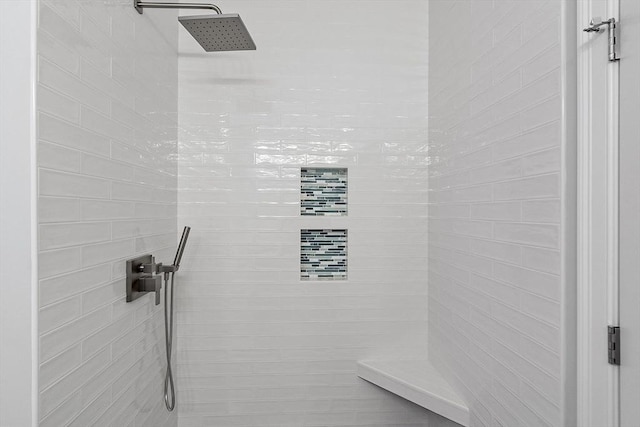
point(140, 5)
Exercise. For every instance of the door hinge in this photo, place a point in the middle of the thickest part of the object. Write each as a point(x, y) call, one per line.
point(594, 27)
point(614, 345)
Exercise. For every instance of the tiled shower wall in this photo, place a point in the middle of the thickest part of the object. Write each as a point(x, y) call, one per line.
point(107, 98)
point(495, 234)
point(332, 84)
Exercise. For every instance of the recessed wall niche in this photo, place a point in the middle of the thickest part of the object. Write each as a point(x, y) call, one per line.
point(323, 191)
point(323, 254)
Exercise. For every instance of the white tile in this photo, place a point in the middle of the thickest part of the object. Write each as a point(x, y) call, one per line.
point(498, 171)
point(543, 333)
point(63, 413)
point(60, 390)
point(532, 234)
point(103, 82)
point(540, 356)
point(58, 105)
point(105, 209)
point(71, 185)
point(542, 308)
point(56, 288)
point(57, 209)
point(102, 295)
point(101, 339)
point(57, 53)
point(532, 281)
point(505, 211)
point(541, 211)
point(101, 124)
point(241, 194)
point(527, 188)
point(58, 261)
point(498, 91)
point(103, 252)
point(71, 85)
point(545, 408)
point(59, 366)
point(71, 234)
point(541, 114)
point(133, 192)
point(98, 124)
point(106, 168)
point(54, 342)
point(541, 65)
point(505, 293)
point(497, 250)
point(546, 136)
point(57, 157)
point(93, 409)
point(540, 259)
point(54, 315)
point(128, 229)
point(527, 371)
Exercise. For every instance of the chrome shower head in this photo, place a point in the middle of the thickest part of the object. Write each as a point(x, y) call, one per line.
point(215, 33)
point(218, 33)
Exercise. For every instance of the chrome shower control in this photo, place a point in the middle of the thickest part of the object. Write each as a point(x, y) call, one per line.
point(141, 278)
point(151, 268)
point(151, 284)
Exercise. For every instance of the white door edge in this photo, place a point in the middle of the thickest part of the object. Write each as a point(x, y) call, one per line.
point(598, 93)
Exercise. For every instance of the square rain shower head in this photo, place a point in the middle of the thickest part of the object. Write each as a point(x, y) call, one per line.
point(219, 33)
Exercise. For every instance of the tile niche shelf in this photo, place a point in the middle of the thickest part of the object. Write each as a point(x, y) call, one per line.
point(323, 191)
point(323, 254)
point(419, 382)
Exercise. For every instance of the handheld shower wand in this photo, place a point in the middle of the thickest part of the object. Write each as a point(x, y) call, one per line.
point(181, 246)
point(143, 276)
point(170, 270)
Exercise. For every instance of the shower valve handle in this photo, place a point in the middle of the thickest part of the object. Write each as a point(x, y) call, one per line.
point(151, 268)
point(151, 284)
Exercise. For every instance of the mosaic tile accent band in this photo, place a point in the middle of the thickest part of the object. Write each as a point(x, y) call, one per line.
point(323, 191)
point(323, 254)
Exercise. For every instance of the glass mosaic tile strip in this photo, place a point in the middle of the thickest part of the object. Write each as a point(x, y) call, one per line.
point(323, 254)
point(323, 191)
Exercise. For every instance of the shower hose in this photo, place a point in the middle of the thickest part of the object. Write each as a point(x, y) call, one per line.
point(169, 390)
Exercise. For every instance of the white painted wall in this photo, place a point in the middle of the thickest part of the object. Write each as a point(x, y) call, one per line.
point(499, 200)
point(107, 100)
point(18, 303)
point(333, 83)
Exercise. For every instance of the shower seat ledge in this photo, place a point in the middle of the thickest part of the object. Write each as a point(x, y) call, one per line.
point(419, 382)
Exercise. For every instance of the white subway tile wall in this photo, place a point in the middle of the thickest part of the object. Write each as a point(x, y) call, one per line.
point(494, 213)
point(107, 103)
point(338, 84)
